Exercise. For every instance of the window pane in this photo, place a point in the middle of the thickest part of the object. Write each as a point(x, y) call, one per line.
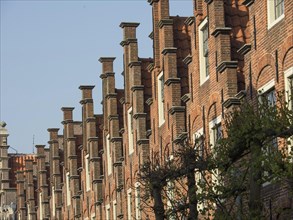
point(279, 8)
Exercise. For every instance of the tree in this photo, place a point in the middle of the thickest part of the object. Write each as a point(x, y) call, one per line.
point(252, 152)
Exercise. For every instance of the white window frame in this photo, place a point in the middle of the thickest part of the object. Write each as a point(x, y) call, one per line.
point(93, 216)
point(137, 201)
point(130, 130)
point(272, 21)
point(109, 158)
point(160, 100)
point(53, 201)
point(108, 212)
point(212, 124)
point(68, 199)
point(40, 206)
point(287, 75)
point(129, 204)
point(198, 175)
point(114, 210)
point(262, 90)
point(202, 59)
point(87, 172)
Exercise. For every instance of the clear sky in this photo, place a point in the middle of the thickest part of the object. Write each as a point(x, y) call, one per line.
point(50, 48)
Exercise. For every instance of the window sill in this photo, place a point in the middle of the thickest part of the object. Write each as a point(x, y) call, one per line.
point(273, 23)
point(202, 81)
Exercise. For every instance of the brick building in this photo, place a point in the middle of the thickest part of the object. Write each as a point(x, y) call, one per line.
point(201, 67)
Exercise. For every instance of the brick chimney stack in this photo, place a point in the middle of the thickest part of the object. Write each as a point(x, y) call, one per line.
point(43, 206)
point(30, 191)
point(130, 49)
point(70, 158)
point(56, 209)
point(20, 180)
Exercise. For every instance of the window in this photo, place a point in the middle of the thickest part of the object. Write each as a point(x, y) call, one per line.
point(108, 212)
point(289, 87)
point(275, 12)
point(129, 204)
point(114, 210)
point(53, 201)
point(87, 172)
point(267, 93)
point(216, 133)
point(198, 136)
point(109, 158)
point(289, 98)
point(40, 206)
point(203, 51)
point(68, 199)
point(130, 131)
point(161, 82)
point(137, 201)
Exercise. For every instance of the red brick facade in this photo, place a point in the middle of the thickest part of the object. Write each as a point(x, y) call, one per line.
point(202, 66)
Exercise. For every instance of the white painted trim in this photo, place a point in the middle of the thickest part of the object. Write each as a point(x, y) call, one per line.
point(271, 14)
point(109, 158)
point(160, 101)
point(87, 172)
point(202, 71)
point(130, 134)
point(108, 212)
point(114, 210)
point(129, 206)
point(266, 87)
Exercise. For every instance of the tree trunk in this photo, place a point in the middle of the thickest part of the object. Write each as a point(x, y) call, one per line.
point(193, 213)
point(255, 207)
point(158, 203)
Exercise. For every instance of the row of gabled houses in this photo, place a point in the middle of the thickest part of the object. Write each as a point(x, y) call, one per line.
point(202, 65)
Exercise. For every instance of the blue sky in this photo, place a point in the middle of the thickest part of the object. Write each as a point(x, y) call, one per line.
point(49, 48)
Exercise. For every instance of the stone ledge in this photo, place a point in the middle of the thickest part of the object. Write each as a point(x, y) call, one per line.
point(116, 139)
point(72, 177)
point(172, 80)
point(149, 101)
point(71, 138)
point(90, 139)
point(106, 59)
point(139, 115)
point(180, 138)
point(143, 141)
point(72, 157)
point(208, 1)
point(244, 49)
point(95, 159)
point(227, 64)
point(150, 67)
point(231, 101)
point(240, 95)
point(116, 164)
point(129, 24)
point(113, 117)
point(189, 21)
point(221, 30)
point(248, 3)
point(53, 142)
point(134, 63)
point(188, 59)
point(111, 95)
point(175, 109)
point(122, 100)
point(82, 87)
point(151, 35)
point(137, 87)
point(164, 22)
point(169, 50)
point(185, 98)
point(85, 101)
point(109, 74)
point(148, 132)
